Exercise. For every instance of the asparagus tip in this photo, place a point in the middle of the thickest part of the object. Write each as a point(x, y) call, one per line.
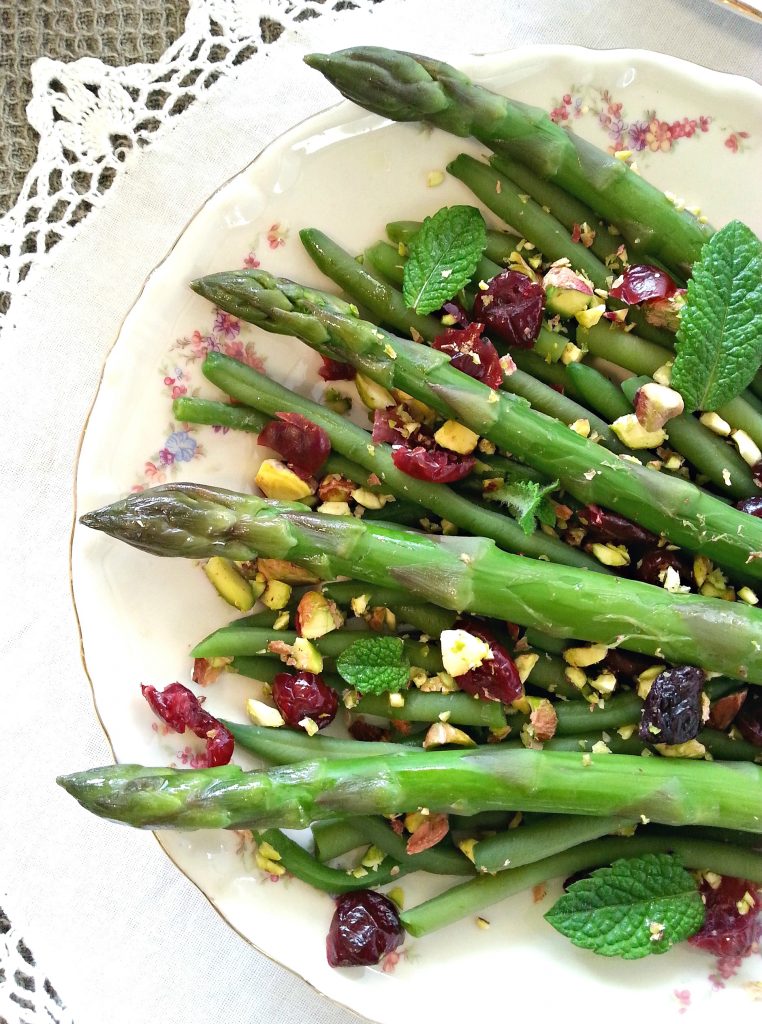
point(319, 61)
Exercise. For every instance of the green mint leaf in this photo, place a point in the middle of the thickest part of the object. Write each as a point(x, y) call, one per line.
point(638, 906)
point(719, 341)
point(442, 257)
point(375, 664)
point(526, 501)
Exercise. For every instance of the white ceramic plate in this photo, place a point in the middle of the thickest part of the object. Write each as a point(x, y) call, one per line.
point(698, 135)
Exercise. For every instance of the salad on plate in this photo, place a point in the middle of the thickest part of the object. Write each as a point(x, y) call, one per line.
point(529, 585)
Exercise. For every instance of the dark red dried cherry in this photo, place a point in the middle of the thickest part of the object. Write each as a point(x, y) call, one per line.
point(387, 428)
point(672, 710)
point(471, 354)
point(726, 931)
point(181, 709)
point(298, 441)
point(752, 506)
point(643, 283)
point(749, 719)
point(331, 369)
point(365, 927)
point(303, 695)
point(496, 679)
point(655, 562)
point(608, 526)
point(436, 465)
point(511, 307)
point(626, 663)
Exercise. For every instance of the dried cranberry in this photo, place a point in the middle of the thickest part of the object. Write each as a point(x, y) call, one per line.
point(752, 506)
point(657, 561)
point(643, 283)
point(672, 710)
point(495, 679)
point(455, 310)
point(435, 465)
point(471, 354)
point(726, 932)
point(511, 307)
point(304, 695)
point(387, 427)
point(749, 718)
point(298, 440)
point(367, 732)
point(182, 710)
point(626, 663)
point(365, 927)
point(333, 370)
point(608, 526)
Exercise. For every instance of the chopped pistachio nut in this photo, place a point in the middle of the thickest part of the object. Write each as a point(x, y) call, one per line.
point(656, 404)
point(483, 923)
point(276, 595)
point(267, 859)
point(670, 580)
point(368, 499)
point(747, 595)
point(310, 726)
point(611, 554)
point(646, 680)
point(716, 423)
point(627, 731)
point(359, 604)
point(456, 438)
point(581, 657)
point(745, 904)
point(229, 583)
point(605, 683)
point(599, 747)
point(373, 858)
point(275, 480)
point(586, 760)
point(434, 178)
point(702, 567)
point(262, 714)
point(335, 508)
point(372, 395)
point(396, 700)
point(461, 651)
point(486, 447)
point(449, 529)
point(657, 929)
point(524, 664)
point(466, 847)
point(414, 820)
point(282, 621)
point(693, 748)
point(747, 448)
point(590, 317)
point(442, 733)
point(575, 676)
point(397, 896)
point(581, 427)
point(350, 699)
point(631, 432)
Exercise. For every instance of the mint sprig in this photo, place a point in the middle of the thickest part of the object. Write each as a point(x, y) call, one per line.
point(526, 501)
point(637, 906)
point(375, 664)
point(442, 257)
point(719, 341)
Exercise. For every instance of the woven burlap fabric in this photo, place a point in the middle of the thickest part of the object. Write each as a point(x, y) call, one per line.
point(116, 31)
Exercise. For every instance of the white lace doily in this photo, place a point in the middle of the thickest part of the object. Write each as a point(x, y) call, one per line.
point(93, 119)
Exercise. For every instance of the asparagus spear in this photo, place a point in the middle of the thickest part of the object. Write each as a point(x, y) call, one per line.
point(408, 87)
point(454, 781)
point(245, 384)
point(464, 573)
point(669, 505)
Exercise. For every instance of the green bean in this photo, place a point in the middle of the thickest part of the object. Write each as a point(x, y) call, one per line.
point(240, 638)
point(584, 744)
point(427, 617)
point(337, 836)
point(710, 454)
point(598, 392)
point(531, 842)
point(387, 261)
point(471, 897)
point(554, 374)
point(421, 706)
point(564, 207)
point(440, 860)
point(304, 866)
point(287, 746)
point(744, 413)
point(548, 674)
point(624, 348)
point(500, 244)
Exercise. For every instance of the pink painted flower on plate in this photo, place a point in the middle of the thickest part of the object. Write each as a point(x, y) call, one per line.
point(276, 235)
point(251, 262)
point(659, 136)
point(227, 325)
